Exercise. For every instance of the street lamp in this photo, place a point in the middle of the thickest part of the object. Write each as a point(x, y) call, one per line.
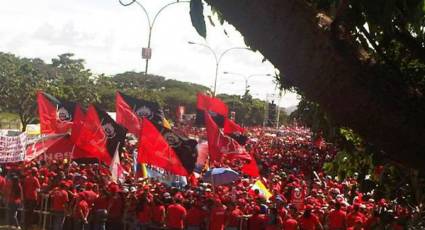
point(217, 58)
point(247, 77)
point(147, 52)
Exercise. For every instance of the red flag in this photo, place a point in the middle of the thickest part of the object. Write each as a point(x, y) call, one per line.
point(212, 104)
point(125, 115)
point(99, 135)
point(220, 145)
point(165, 150)
point(131, 110)
point(55, 115)
point(217, 108)
point(52, 147)
point(78, 122)
point(251, 169)
point(231, 127)
point(235, 131)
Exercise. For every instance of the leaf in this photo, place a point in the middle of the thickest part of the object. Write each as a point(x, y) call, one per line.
point(197, 17)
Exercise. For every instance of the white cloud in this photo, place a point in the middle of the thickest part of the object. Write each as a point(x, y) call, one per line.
point(110, 37)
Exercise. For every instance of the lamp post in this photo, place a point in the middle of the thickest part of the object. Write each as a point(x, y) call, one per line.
point(247, 77)
point(217, 58)
point(147, 52)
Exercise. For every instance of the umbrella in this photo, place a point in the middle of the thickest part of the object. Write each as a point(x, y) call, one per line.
point(220, 176)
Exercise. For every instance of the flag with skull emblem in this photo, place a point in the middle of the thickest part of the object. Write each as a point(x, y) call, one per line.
point(161, 147)
point(221, 146)
point(214, 106)
point(56, 116)
point(131, 110)
point(99, 135)
point(235, 131)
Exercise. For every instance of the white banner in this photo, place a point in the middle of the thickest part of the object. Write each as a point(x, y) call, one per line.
point(12, 149)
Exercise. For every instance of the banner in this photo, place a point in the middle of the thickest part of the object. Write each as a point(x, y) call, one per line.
point(297, 198)
point(12, 149)
point(52, 147)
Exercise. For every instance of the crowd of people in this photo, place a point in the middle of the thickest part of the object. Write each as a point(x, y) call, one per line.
point(79, 196)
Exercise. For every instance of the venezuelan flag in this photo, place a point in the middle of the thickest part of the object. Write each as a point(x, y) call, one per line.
point(258, 185)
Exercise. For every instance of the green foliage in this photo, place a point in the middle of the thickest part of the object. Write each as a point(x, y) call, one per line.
point(197, 17)
point(67, 78)
point(20, 82)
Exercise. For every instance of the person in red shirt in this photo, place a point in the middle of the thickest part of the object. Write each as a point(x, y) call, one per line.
point(89, 195)
point(31, 188)
point(176, 214)
point(80, 213)
point(115, 211)
point(290, 224)
point(195, 218)
point(158, 213)
point(373, 221)
point(309, 221)
point(258, 220)
point(355, 215)
point(217, 217)
point(144, 212)
point(100, 210)
point(14, 196)
point(337, 218)
point(233, 217)
point(60, 200)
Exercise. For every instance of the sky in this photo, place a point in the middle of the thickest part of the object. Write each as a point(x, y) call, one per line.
point(109, 37)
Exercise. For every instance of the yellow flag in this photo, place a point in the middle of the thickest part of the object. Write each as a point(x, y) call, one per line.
point(258, 185)
point(165, 123)
point(144, 171)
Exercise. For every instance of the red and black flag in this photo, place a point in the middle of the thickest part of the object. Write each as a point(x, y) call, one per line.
point(161, 147)
point(99, 136)
point(131, 110)
point(56, 116)
point(235, 131)
point(222, 146)
point(214, 106)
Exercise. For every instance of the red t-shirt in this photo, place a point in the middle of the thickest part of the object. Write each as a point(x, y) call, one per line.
point(81, 207)
point(116, 209)
point(2, 184)
point(217, 218)
point(31, 184)
point(158, 214)
point(336, 219)
point(175, 216)
point(59, 199)
point(12, 196)
point(195, 216)
point(290, 224)
point(89, 196)
point(101, 202)
point(257, 221)
point(309, 223)
point(233, 218)
point(145, 215)
point(352, 217)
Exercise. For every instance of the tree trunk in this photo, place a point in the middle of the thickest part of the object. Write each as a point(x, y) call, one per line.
point(328, 71)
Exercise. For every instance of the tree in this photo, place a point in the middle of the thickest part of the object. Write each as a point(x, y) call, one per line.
point(374, 88)
point(20, 82)
point(72, 80)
